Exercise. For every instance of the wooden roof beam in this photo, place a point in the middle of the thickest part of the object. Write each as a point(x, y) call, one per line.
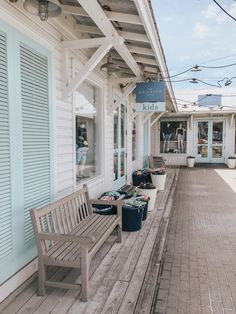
point(141, 50)
point(124, 18)
point(135, 37)
point(97, 14)
point(91, 42)
point(112, 16)
point(87, 68)
point(146, 61)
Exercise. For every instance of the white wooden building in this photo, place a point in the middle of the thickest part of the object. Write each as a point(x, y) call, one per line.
point(52, 85)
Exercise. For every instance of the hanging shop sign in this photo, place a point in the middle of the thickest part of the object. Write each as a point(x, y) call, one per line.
point(150, 96)
point(209, 100)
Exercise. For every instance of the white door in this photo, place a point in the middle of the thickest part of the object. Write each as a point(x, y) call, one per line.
point(210, 141)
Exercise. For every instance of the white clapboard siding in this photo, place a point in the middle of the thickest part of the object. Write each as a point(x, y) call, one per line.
point(5, 186)
point(36, 132)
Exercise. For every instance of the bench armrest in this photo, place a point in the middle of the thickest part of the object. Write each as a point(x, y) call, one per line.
point(118, 203)
point(65, 237)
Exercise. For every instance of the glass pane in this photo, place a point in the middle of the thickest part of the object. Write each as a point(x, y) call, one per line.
point(173, 135)
point(203, 151)
point(122, 164)
point(217, 151)
point(122, 125)
point(87, 147)
point(202, 132)
point(115, 166)
point(134, 140)
point(217, 133)
point(116, 119)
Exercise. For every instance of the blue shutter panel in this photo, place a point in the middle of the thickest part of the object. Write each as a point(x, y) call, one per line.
point(5, 183)
point(36, 133)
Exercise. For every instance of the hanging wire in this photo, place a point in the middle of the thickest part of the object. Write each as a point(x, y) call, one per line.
point(232, 17)
point(217, 67)
point(195, 81)
point(199, 67)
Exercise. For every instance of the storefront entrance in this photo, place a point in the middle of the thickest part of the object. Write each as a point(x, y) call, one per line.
point(210, 141)
point(119, 146)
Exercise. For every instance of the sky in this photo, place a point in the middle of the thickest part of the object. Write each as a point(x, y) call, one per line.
point(198, 32)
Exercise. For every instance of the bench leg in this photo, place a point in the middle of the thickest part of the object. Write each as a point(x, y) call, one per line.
point(84, 273)
point(41, 277)
point(119, 232)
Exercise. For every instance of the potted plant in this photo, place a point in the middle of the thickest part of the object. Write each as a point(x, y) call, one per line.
point(149, 190)
point(159, 178)
point(190, 161)
point(231, 162)
point(140, 175)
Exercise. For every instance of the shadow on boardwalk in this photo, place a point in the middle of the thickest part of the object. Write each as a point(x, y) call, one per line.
point(199, 270)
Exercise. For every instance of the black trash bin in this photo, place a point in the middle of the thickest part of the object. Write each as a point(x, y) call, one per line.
point(141, 176)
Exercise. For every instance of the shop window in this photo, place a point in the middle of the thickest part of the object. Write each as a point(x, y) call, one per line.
point(173, 136)
point(134, 130)
point(86, 132)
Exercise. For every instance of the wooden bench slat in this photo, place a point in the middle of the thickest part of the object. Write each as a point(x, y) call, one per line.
point(68, 234)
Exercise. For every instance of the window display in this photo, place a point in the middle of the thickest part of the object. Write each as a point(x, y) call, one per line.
point(134, 139)
point(86, 128)
point(173, 137)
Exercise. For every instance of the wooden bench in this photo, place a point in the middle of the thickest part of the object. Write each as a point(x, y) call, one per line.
point(69, 234)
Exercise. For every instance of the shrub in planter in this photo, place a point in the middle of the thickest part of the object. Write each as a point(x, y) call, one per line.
point(231, 162)
point(144, 198)
point(151, 191)
point(190, 161)
point(159, 178)
point(141, 175)
point(108, 209)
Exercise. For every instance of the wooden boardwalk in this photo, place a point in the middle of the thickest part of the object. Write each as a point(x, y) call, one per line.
point(122, 275)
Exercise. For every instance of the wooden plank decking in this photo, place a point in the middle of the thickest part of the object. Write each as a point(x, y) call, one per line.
point(122, 275)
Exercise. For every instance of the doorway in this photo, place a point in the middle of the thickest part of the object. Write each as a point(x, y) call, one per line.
point(119, 146)
point(210, 141)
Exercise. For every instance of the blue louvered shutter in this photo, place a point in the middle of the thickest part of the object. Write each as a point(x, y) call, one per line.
point(5, 178)
point(36, 133)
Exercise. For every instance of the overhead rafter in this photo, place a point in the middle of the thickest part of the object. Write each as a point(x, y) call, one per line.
point(150, 69)
point(88, 29)
point(91, 42)
point(141, 50)
point(112, 16)
point(125, 18)
point(71, 9)
point(146, 61)
point(124, 80)
point(134, 36)
point(97, 14)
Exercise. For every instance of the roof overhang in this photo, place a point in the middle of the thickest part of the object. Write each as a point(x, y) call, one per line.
point(125, 29)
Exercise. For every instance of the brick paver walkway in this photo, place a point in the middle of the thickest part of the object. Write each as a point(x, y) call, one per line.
point(199, 273)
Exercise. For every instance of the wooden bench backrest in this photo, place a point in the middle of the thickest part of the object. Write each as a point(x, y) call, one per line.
point(61, 216)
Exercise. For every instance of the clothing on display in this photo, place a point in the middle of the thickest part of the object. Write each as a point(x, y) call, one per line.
point(81, 150)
